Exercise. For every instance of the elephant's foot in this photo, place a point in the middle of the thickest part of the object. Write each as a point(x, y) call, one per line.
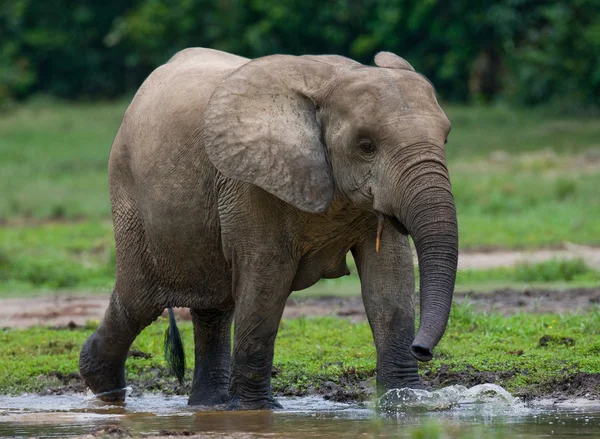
point(267, 403)
point(104, 391)
point(209, 398)
point(105, 378)
point(116, 396)
point(411, 381)
point(103, 355)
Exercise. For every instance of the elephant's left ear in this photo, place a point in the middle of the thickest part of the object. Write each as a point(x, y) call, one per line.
point(261, 126)
point(392, 61)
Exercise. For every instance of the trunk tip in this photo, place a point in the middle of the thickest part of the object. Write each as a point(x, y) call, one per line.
point(421, 353)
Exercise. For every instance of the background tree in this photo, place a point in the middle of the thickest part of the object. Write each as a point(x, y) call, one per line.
point(525, 51)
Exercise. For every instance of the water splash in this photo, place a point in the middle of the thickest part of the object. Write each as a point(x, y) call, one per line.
point(445, 398)
point(91, 396)
point(489, 394)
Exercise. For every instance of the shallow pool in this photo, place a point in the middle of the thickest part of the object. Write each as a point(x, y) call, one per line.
point(454, 414)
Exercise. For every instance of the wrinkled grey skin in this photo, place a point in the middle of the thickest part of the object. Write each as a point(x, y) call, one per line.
point(235, 182)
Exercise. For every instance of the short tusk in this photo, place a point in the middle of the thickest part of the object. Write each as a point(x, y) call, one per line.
point(379, 230)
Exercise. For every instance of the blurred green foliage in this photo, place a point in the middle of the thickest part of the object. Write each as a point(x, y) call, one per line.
point(525, 51)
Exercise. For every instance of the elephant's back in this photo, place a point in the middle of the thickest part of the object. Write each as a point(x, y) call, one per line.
point(174, 96)
point(208, 58)
point(159, 137)
point(190, 74)
point(159, 166)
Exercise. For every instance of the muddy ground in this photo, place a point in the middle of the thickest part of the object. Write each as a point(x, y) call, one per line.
point(75, 310)
point(72, 311)
point(62, 310)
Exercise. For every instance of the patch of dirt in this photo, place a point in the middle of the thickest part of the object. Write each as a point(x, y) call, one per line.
point(547, 340)
point(553, 164)
point(71, 312)
point(351, 387)
point(469, 377)
point(58, 311)
point(578, 385)
point(510, 301)
point(567, 386)
point(494, 259)
point(505, 301)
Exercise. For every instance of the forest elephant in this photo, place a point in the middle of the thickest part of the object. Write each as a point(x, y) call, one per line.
point(235, 182)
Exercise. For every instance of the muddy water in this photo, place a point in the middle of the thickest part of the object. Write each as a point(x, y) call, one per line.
point(458, 412)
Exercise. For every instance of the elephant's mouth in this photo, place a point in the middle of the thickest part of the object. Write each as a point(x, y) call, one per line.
point(394, 221)
point(397, 224)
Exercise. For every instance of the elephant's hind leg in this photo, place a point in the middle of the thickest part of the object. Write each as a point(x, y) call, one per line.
point(102, 358)
point(212, 339)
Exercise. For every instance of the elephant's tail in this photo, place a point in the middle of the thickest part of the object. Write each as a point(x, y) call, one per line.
point(174, 354)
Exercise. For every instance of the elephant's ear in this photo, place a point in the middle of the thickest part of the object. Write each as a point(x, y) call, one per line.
point(392, 61)
point(261, 126)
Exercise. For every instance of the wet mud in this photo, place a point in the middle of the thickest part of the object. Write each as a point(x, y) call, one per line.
point(70, 312)
point(356, 388)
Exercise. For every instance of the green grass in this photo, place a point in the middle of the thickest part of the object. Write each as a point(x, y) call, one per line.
point(54, 159)
point(555, 270)
point(533, 352)
point(527, 201)
point(57, 257)
point(523, 178)
point(80, 256)
point(479, 130)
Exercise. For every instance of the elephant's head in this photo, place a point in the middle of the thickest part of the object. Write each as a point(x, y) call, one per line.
point(306, 128)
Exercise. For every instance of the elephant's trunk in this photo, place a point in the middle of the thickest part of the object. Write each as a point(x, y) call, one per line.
point(430, 218)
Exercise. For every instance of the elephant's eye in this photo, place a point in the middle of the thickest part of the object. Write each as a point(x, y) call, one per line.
point(366, 146)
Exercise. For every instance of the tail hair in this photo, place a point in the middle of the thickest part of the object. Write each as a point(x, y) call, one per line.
point(174, 354)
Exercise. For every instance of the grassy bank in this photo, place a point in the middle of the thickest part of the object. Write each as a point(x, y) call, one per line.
point(54, 160)
point(530, 355)
point(80, 257)
point(553, 274)
point(58, 256)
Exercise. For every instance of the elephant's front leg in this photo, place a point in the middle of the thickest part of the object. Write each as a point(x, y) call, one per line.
point(261, 287)
point(387, 284)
